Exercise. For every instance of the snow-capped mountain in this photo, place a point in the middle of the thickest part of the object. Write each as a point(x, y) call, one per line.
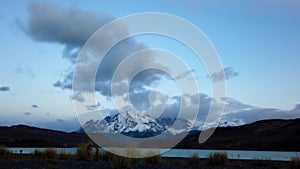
point(232, 123)
point(136, 124)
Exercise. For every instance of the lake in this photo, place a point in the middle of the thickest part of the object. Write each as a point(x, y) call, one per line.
point(185, 153)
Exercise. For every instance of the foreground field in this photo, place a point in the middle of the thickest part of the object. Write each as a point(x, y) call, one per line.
point(34, 162)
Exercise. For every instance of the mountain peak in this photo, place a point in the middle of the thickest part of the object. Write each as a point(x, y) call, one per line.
point(136, 124)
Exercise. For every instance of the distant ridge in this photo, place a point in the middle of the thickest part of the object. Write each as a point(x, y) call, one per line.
point(28, 136)
point(279, 135)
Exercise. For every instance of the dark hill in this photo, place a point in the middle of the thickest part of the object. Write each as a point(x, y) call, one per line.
point(279, 135)
point(262, 135)
point(26, 136)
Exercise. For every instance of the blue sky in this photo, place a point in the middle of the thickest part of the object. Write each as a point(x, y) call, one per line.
point(258, 40)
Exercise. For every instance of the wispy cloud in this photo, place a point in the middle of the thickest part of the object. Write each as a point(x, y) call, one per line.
point(228, 72)
point(27, 113)
point(77, 96)
point(93, 107)
point(60, 120)
point(27, 71)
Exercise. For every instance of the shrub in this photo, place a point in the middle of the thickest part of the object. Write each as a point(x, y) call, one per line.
point(132, 152)
point(261, 162)
point(50, 153)
point(4, 151)
point(37, 152)
point(152, 158)
point(85, 151)
point(119, 162)
point(194, 159)
point(65, 156)
point(104, 155)
point(218, 158)
point(295, 163)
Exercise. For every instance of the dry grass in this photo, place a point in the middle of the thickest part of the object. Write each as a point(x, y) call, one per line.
point(194, 159)
point(4, 151)
point(63, 155)
point(153, 156)
point(295, 163)
point(85, 151)
point(126, 162)
point(118, 162)
point(50, 153)
point(218, 158)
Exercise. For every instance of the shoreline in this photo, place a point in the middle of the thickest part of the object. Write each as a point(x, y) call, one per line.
point(206, 149)
point(180, 153)
point(33, 162)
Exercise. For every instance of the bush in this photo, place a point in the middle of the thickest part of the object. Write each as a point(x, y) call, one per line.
point(218, 159)
point(119, 162)
point(295, 163)
point(37, 152)
point(85, 151)
point(104, 155)
point(4, 151)
point(262, 162)
point(65, 156)
point(152, 158)
point(50, 153)
point(194, 159)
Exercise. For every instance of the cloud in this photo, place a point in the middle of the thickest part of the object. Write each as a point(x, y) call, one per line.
point(4, 89)
point(19, 70)
point(93, 107)
point(240, 113)
point(60, 120)
point(27, 113)
point(78, 97)
point(65, 82)
point(28, 71)
point(184, 74)
point(219, 76)
point(71, 28)
point(34, 106)
point(235, 112)
point(233, 105)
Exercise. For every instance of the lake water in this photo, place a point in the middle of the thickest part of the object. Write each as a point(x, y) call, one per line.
point(185, 153)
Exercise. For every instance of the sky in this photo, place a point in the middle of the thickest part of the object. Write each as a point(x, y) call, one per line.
point(258, 42)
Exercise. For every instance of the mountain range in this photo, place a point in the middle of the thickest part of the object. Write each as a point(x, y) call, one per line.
point(277, 135)
point(136, 124)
